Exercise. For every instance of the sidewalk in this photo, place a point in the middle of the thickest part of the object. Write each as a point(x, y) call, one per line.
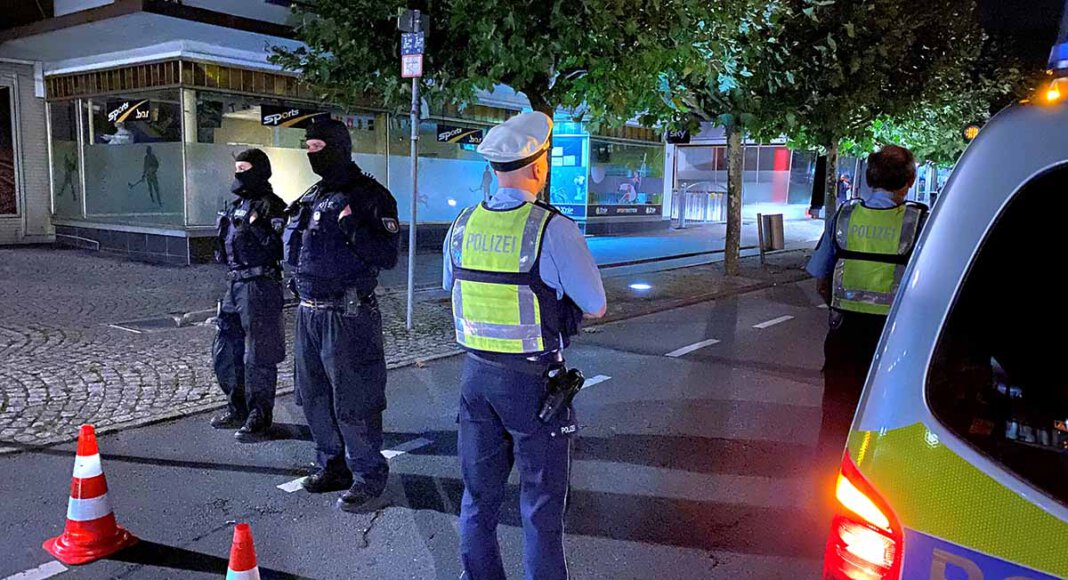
point(693, 239)
point(609, 251)
point(71, 354)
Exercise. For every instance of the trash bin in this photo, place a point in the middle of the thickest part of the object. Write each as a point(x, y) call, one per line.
point(773, 237)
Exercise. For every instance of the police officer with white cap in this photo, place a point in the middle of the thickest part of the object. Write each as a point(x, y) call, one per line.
point(521, 278)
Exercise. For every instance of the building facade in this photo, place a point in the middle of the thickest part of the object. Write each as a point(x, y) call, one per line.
point(119, 120)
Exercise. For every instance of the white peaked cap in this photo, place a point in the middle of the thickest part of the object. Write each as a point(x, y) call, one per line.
point(517, 142)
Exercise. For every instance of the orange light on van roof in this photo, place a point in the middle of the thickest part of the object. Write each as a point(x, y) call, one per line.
point(1056, 91)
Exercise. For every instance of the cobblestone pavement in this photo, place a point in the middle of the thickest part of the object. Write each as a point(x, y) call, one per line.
point(62, 363)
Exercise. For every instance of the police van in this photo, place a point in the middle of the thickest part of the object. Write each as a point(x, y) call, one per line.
point(956, 465)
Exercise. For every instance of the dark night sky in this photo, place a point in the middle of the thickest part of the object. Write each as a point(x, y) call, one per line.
point(1029, 26)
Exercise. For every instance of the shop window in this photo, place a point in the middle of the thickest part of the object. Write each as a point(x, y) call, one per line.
point(8, 190)
point(626, 174)
point(133, 159)
point(452, 174)
point(996, 379)
point(66, 175)
point(229, 124)
point(572, 186)
point(802, 175)
point(751, 162)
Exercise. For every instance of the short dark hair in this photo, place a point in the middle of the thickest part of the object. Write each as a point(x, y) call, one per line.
point(891, 168)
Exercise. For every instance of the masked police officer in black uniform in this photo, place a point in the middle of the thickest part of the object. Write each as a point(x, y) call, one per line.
point(251, 338)
point(340, 234)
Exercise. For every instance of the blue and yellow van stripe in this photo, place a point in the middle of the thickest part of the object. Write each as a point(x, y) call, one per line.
point(935, 492)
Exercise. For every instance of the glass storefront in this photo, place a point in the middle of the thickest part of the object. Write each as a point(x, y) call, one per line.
point(626, 179)
point(66, 178)
point(164, 158)
point(227, 125)
point(802, 177)
point(133, 158)
point(594, 177)
point(569, 187)
point(452, 175)
point(768, 178)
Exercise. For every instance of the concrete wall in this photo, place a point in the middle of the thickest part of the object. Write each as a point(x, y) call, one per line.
point(32, 224)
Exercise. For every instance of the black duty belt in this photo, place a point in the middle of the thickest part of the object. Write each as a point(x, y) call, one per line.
point(337, 303)
point(240, 274)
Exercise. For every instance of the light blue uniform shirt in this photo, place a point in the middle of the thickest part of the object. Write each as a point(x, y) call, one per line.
point(567, 265)
point(821, 265)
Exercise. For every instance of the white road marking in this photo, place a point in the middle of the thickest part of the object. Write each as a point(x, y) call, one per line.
point(695, 346)
point(41, 572)
point(823, 306)
point(407, 447)
point(291, 486)
point(595, 380)
point(126, 329)
point(771, 323)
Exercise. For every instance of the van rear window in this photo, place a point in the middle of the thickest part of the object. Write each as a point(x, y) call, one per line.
point(999, 377)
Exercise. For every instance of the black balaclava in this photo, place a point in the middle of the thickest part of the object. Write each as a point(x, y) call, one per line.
point(333, 161)
point(252, 183)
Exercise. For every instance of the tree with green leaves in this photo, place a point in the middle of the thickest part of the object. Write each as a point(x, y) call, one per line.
point(860, 63)
point(594, 56)
point(730, 74)
point(959, 96)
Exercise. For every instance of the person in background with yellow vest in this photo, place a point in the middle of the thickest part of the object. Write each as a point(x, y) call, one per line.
point(858, 265)
point(521, 277)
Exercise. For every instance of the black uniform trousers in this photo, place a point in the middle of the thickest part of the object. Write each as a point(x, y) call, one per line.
point(249, 344)
point(341, 381)
point(848, 352)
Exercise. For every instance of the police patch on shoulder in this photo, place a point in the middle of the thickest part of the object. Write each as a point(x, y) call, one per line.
point(278, 224)
point(391, 225)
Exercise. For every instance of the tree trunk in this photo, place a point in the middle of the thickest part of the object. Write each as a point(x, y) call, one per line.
point(735, 155)
point(830, 194)
point(539, 104)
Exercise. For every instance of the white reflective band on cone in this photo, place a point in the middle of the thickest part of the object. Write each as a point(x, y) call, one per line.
point(86, 510)
point(253, 574)
point(87, 466)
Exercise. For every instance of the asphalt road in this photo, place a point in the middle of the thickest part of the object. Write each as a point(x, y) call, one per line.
point(694, 460)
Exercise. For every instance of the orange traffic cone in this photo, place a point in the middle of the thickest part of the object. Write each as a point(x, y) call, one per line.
point(242, 556)
point(91, 532)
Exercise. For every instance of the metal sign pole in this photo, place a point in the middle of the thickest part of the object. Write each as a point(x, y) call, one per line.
point(413, 44)
point(414, 201)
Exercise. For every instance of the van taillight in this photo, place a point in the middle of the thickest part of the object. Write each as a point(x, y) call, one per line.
point(865, 542)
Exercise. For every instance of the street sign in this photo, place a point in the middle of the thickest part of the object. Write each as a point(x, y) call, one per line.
point(412, 43)
point(412, 21)
point(412, 66)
